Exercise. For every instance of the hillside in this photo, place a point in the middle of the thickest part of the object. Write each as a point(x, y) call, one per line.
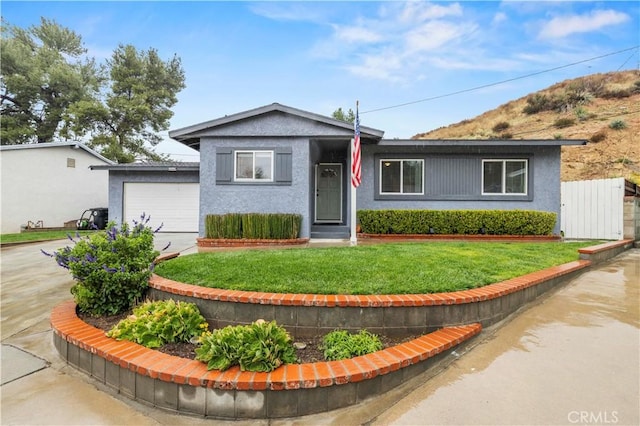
point(603, 109)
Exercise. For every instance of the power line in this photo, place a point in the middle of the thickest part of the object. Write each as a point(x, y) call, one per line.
point(500, 82)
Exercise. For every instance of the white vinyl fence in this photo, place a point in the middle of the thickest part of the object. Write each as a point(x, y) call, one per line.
point(593, 209)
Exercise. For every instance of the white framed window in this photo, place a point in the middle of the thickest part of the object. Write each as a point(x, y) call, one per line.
point(249, 166)
point(402, 176)
point(505, 177)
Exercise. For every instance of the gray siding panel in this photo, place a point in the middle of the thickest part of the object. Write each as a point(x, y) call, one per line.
point(458, 170)
point(448, 176)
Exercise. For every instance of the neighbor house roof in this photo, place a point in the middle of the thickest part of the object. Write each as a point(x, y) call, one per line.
point(152, 166)
point(72, 145)
point(190, 135)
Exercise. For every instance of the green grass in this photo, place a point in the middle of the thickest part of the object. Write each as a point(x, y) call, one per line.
point(369, 269)
point(39, 236)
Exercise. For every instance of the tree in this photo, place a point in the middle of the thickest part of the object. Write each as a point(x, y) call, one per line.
point(43, 73)
point(136, 105)
point(50, 90)
point(349, 117)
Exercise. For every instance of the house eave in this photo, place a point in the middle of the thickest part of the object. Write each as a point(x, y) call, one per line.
point(70, 145)
point(482, 142)
point(141, 167)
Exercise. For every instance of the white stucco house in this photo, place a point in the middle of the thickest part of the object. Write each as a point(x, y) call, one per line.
point(49, 184)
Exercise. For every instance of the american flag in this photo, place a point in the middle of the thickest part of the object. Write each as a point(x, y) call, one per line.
point(356, 163)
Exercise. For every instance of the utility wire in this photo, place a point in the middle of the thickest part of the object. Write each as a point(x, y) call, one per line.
point(499, 82)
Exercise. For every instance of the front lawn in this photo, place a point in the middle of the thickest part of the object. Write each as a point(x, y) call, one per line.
point(402, 268)
point(28, 236)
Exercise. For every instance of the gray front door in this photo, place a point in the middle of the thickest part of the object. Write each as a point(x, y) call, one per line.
point(329, 193)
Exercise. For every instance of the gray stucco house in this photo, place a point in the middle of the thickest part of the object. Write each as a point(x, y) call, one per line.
point(278, 159)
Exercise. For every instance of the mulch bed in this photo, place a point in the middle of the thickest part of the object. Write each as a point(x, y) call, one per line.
point(310, 353)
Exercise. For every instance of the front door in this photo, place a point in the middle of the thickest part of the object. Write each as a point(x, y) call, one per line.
point(329, 193)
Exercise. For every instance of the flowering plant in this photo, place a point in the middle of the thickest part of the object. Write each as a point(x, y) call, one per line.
point(112, 267)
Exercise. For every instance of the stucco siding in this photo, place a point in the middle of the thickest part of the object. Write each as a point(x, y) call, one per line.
point(53, 185)
point(252, 198)
point(117, 179)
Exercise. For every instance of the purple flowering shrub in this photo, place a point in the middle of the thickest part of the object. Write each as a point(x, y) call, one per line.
point(111, 268)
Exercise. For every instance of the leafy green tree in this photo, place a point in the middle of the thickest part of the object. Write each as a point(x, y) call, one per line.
point(142, 89)
point(349, 116)
point(43, 72)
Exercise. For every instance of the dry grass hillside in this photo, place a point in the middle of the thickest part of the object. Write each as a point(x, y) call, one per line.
point(603, 109)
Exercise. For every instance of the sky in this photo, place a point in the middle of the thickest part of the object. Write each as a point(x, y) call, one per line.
point(413, 66)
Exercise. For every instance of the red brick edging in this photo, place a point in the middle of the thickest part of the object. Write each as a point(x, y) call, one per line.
point(154, 364)
point(491, 291)
point(184, 385)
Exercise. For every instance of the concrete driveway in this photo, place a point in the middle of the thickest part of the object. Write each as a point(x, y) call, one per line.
point(571, 359)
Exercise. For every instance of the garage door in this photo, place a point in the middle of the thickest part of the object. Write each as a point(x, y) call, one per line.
point(173, 204)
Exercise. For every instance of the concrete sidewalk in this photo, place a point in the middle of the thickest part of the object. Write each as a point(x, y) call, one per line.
point(575, 352)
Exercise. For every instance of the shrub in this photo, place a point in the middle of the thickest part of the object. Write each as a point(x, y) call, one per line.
point(501, 126)
point(581, 113)
point(536, 103)
point(261, 346)
point(618, 125)
point(561, 123)
point(112, 268)
point(253, 225)
point(154, 324)
point(340, 344)
point(493, 222)
point(598, 136)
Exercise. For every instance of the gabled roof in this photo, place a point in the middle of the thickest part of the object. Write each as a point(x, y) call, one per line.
point(73, 145)
point(190, 135)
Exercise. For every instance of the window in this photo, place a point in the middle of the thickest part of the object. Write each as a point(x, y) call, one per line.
point(401, 176)
point(504, 177)
point(253, 166)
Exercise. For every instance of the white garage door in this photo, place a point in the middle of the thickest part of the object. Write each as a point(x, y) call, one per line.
point(173, 204)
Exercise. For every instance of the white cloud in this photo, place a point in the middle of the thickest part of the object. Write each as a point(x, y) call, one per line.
point(416, 12)
point(355, 34)
point(499, 17)
point(563, 26)
point(435, 34)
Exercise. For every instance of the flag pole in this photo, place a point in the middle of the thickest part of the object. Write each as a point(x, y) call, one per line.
point(355, 176)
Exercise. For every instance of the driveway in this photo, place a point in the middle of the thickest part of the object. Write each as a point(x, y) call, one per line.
point(573, 358)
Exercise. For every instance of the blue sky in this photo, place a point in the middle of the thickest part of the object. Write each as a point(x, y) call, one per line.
point(319, 56)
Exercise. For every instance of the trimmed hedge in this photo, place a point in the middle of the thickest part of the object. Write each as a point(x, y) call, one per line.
point(467, 222)
point(262, 226)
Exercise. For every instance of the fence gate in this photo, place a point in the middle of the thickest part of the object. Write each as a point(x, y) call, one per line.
point(592, 209)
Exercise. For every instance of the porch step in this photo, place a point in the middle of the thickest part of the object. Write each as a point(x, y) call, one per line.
point(330, 231)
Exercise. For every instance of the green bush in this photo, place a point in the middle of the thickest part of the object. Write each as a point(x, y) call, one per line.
point(261, 346)
point(618, 125)
point(340, 344)
point(154, 324)
point(537, 103)
point(275, 226)
point(468, 222)
point(112, 268)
